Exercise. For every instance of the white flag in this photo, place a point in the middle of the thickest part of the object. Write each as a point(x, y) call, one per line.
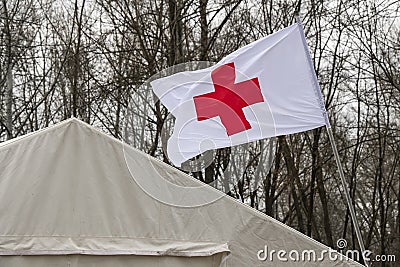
point(267, 88)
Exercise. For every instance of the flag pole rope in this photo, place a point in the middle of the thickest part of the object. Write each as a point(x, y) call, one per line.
point(334, 148)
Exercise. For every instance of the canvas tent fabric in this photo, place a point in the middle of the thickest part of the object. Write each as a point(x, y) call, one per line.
point(71, 196)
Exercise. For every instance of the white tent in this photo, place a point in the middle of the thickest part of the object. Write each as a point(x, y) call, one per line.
point(73, 196)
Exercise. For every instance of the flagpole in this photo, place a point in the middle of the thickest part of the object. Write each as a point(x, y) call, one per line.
point(334, 148)
point(347, 194)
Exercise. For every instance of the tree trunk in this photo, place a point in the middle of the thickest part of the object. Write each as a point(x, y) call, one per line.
point(9, 75)
point(9, 101)
point(204, 30)
point(293, 174)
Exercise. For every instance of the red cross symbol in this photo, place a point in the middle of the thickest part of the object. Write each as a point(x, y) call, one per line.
point(228, 99)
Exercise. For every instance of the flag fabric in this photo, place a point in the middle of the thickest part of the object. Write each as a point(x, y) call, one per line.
point(264, 89)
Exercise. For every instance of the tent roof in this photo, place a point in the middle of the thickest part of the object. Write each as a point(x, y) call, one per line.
point(71, 189)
